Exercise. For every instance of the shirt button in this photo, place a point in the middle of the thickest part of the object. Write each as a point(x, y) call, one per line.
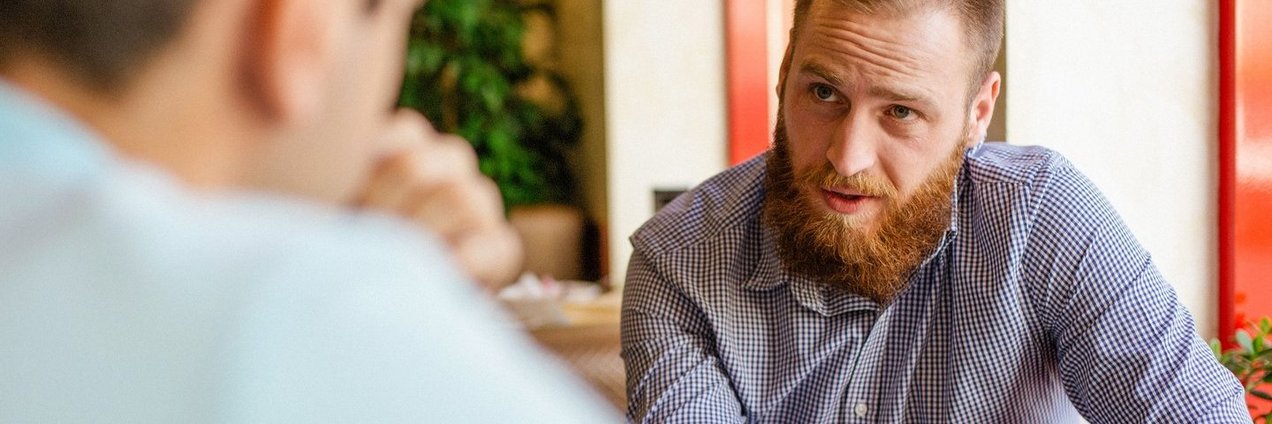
point(860, 410)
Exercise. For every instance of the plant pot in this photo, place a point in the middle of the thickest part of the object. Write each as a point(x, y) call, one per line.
point(553, 238)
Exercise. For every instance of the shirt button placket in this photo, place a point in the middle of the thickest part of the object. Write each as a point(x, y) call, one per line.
point(858, 389)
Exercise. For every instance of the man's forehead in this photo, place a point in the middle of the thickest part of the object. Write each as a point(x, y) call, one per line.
point(906, 49)
point(889, 8)
point(919, 30)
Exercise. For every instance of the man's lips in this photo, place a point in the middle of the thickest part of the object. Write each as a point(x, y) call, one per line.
point(844, 201)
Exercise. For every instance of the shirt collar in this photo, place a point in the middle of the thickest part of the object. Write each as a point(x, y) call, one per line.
point(769, 273)
point(35, 133)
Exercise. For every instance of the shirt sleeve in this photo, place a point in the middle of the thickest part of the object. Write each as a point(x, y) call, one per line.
point(673, 372)
point(1128, 351)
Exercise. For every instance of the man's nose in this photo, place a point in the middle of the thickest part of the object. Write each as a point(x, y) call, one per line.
point(853, 146)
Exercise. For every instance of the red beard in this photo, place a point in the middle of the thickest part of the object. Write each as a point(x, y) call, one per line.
point(871, 260)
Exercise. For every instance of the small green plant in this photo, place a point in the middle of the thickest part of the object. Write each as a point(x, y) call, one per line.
point(1251, 362)
point(467, 71)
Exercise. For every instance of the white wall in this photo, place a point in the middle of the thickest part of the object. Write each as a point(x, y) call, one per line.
point(1127, 91)
point(665, 106)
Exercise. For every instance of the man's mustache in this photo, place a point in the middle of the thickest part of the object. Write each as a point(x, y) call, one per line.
point(825, 176)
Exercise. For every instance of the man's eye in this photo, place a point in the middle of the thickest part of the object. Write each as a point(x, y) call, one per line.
point(901, 113)
point(824, 93)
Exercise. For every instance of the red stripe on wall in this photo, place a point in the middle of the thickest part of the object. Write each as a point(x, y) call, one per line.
point(1227, 168)
point(747, 50)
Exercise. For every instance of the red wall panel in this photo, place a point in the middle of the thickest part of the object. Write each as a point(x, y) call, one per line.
point(1246, 170)
point(746, 37)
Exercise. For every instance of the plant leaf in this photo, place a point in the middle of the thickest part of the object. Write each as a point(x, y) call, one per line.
point(1261, 394)
point(1243, 340)
point(1217, 349)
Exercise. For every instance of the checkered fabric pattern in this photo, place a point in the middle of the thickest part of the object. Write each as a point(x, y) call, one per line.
point(1038, 305)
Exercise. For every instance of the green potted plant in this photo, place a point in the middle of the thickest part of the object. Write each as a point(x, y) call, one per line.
point(1251, 362)
point(485, 69)
point(466, 70)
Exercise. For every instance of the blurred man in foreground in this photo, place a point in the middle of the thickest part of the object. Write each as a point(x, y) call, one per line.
point(178, 239)
point(881, 265)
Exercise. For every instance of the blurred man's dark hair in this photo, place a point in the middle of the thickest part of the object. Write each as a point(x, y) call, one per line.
point(100, 42)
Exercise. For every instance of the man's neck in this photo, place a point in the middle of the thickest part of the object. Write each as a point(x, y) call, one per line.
point(142, 122)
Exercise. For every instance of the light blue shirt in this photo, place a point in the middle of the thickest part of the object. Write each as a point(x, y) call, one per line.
point(126, 298)
point(1037, 306)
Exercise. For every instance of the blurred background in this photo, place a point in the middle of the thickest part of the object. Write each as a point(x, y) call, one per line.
point(590, 114)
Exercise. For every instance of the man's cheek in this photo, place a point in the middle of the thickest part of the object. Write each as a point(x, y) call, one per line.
point(804, 156)
point(814, 170)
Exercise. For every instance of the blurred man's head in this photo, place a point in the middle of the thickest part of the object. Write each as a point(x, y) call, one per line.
point(879, 100)
point(279, 95)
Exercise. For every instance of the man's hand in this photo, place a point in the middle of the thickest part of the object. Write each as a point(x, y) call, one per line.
point(432, 180)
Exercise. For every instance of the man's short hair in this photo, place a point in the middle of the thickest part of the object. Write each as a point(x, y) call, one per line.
point(982, 21)
point(102, 43)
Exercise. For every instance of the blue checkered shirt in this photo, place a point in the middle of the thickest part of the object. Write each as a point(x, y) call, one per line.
point(1037, 306)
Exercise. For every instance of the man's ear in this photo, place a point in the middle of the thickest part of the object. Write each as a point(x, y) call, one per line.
point(982, 109)
point(287, 58)
point(786, 68)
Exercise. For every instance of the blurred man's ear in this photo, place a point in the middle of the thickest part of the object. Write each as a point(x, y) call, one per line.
point(287, 57)
point(982, 108)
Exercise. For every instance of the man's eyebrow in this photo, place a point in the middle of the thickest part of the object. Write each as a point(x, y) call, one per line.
point(897, 94)
point(823, 72)
point(892, 93)
point(915, 99)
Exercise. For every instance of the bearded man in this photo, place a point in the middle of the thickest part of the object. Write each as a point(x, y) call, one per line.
point(882, 264)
